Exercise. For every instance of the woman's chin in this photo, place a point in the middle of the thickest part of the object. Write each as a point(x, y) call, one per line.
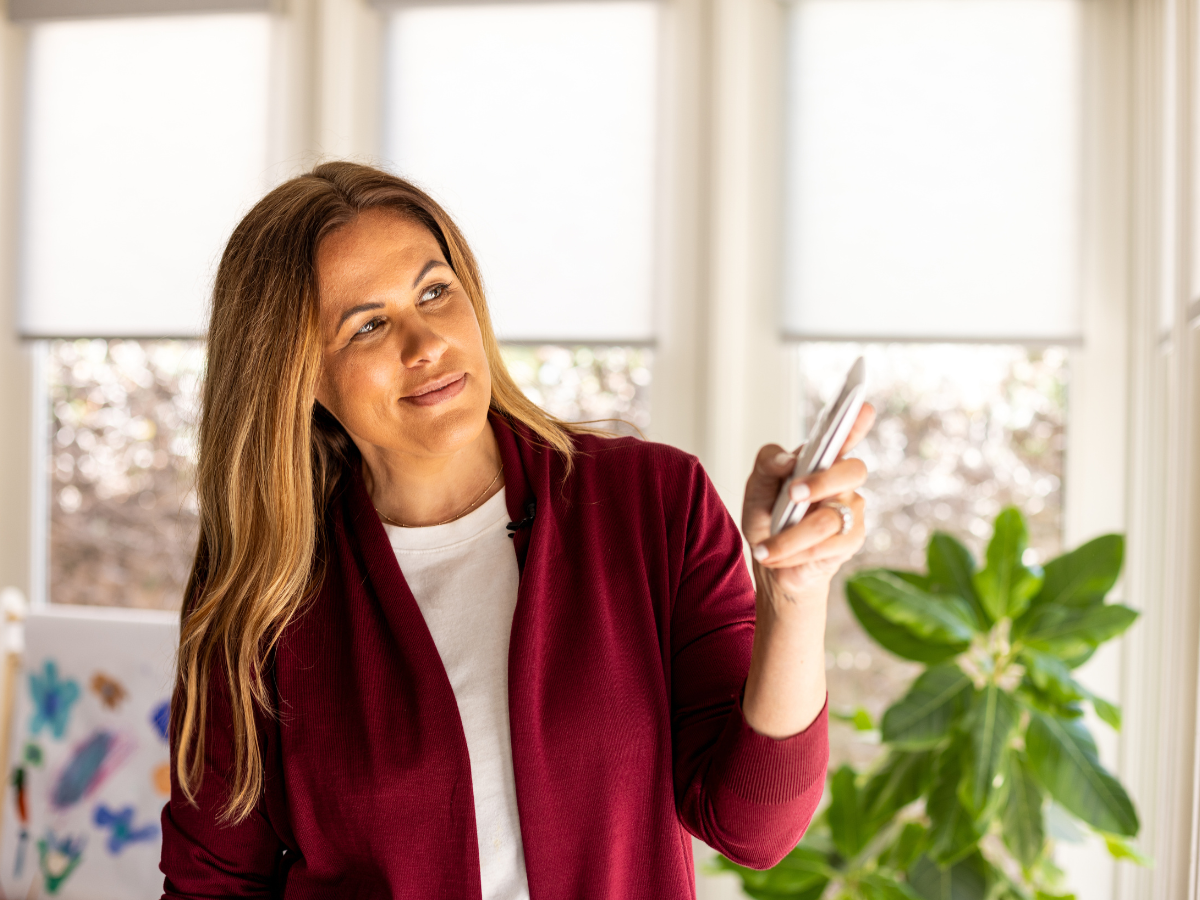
point(440, 430)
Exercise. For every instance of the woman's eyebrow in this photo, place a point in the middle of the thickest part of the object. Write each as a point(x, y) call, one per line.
point(425, 269)
point(354, 310)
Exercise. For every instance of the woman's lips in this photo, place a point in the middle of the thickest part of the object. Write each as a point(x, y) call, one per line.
point(441, 395)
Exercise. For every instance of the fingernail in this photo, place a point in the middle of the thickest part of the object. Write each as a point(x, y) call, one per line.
point(799, 491)
point(784, 459)
point(761, 552)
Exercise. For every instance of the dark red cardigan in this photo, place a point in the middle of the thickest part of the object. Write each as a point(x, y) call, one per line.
point(630, 647)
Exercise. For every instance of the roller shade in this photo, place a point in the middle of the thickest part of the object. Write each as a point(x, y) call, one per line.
point(146, 140)
point(933, 170)
point(534, 125)
point(39, 10)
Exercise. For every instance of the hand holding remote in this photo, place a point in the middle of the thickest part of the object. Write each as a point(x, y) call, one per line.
point(807, 553)
point(785, 687)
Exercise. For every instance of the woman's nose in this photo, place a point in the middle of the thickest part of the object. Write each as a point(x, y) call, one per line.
point(419, 343)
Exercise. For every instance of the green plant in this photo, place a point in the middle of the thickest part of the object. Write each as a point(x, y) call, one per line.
point(986, 737)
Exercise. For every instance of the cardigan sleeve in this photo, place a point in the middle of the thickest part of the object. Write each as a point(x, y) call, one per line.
point(201, 857)
point(744, 794)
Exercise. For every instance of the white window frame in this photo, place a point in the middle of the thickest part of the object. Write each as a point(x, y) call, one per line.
point(1159, 750)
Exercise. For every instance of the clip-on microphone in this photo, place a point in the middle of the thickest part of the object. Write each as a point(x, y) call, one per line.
point(530, 512)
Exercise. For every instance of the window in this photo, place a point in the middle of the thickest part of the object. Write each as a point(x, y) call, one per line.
point(560, 207)
point(120, 457)
point(963, 432)
point(147, 138)
point(933, 169)
point(145, 141)
point(608, 384)
point(121, 452)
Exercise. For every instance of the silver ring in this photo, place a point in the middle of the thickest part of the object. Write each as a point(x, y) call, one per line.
point(845, 512)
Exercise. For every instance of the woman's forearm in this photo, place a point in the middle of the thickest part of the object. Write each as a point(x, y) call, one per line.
point(785, 688)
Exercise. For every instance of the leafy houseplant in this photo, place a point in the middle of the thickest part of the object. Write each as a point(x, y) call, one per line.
point(990, 732)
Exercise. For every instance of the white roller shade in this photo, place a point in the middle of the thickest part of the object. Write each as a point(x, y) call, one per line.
point(534, 125)
point(38, 10)
point(933, 170)
point(146, 140)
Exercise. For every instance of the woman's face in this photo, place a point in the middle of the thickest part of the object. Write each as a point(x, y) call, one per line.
point(404, 366)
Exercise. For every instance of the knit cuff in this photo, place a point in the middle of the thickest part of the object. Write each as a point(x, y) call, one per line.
point(761, 769)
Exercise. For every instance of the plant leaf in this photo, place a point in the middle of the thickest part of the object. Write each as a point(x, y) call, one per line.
point(916, 579)
point(801, 874)
point(901, 779)
point(1078, 658)
point(952, 832)
point(1024, 830)
point(1034, 698)
point(859, 718)
point(1063, 755)
point(1051, 676)
point(1068, 632)
point(845, 814)
point(1006, 585)
point(894, 638)
point(966, 880)
point(907, 847)
point(805, 859)
point(1085, 575)
point(1061, 692)
point(880, 887)
point(990, 724)
point(1108, 712)
point(1061, 825)
point(818, 839)
point(1119, 848)
point(813, 893)
point(951, 568)
point(924, 715)
point(935, 618)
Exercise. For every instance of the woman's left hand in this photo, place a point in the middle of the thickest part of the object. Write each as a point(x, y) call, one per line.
point(800, 561)
point(785, 687)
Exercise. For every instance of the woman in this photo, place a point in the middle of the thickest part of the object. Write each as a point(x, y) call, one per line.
point(437, 643)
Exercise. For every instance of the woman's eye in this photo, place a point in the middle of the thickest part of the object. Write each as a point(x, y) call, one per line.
point(369, 327)
point(433, 293)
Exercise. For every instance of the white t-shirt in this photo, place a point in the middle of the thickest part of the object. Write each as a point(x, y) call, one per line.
point(464, 577)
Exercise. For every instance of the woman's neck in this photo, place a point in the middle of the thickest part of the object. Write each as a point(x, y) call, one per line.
point(429, 490)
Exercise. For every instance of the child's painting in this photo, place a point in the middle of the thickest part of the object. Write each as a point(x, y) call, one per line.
point(88, 769)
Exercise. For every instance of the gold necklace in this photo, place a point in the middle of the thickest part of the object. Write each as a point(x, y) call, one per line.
point(392, 521)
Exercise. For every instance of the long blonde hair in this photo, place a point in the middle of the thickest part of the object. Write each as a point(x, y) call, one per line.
point(271, 458)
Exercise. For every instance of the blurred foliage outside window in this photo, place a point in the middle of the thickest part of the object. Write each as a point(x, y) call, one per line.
point(123, 514)
point(963, 431)
point(122, 445)
point(581, 384)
